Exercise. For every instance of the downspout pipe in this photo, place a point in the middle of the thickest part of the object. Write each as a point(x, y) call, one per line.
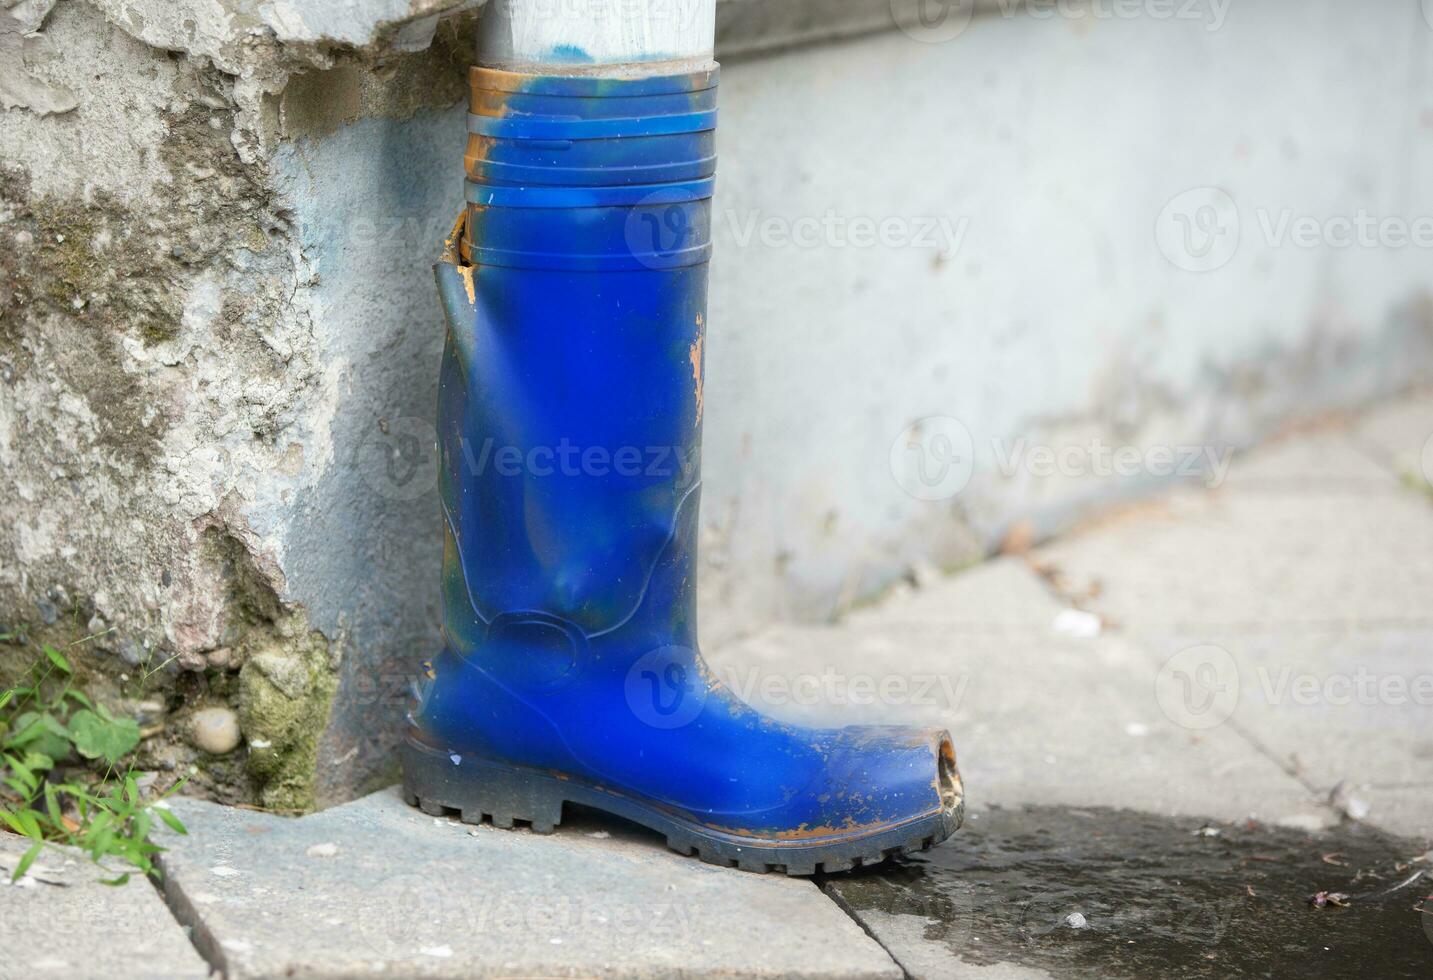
point(595, 36)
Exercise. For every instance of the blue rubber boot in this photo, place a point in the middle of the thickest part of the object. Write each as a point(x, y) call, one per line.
point(569, 429)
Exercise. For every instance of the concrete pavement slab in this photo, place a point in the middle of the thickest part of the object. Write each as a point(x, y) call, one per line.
point(59, 921)
point(1037, 716)
point(1330, 457)
point(1402, 432)
point(1248, 559)
point(1331, 707)
point(375, 887)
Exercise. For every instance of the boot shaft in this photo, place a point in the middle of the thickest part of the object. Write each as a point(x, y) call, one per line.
point(571, 390)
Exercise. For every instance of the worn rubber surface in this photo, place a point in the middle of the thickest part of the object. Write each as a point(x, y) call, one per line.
point(475, 789)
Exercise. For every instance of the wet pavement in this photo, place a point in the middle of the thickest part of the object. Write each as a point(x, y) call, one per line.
point(1113, 893)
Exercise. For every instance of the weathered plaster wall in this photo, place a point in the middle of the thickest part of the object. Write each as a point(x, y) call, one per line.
point(219, 339)
point(1050, 314)
point(170, 394)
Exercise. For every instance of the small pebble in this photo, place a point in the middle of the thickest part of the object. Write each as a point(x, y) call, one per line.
point(216, 730)
point(326, 850)
point(1076, 921)
point(48, 612)
point(1077, 623)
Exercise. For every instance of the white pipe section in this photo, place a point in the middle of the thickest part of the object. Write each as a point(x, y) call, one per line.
point(570, 35)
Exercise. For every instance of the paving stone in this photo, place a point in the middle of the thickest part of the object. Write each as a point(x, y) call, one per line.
point(1246, 559)
point(916, 941)
point(1403, 432)
point(59, 921)
point(376, 887)
point(997, 596)
point(1329, 458)
point(1332, 707)
point(1037, 717)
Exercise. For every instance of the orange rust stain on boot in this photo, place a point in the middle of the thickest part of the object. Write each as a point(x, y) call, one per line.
point(466, 271)
point(695, 355)
point(454, 252)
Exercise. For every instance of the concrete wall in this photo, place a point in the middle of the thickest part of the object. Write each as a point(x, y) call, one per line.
point(1109, 242)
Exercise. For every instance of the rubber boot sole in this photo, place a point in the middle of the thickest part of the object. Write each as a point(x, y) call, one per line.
point(474, 789)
